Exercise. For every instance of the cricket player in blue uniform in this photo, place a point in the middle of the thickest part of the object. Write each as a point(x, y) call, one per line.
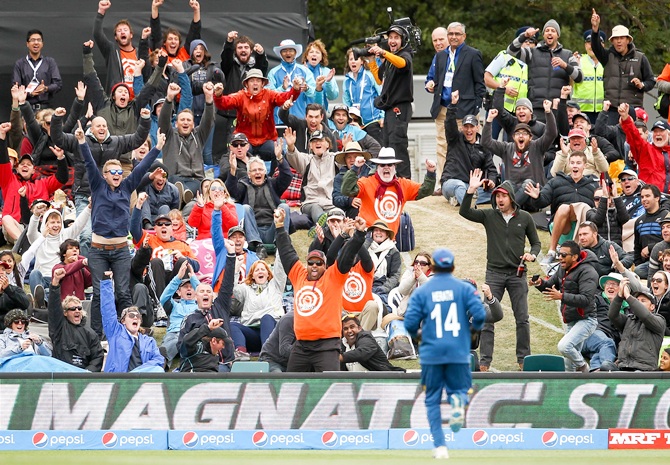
point(443, 307)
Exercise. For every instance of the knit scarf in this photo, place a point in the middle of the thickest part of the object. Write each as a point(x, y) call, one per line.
point(378, 253)
point(381, 188)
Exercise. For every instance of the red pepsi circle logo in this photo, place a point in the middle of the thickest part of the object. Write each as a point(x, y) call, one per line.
point(329, 438)
point(190, 439)
point(40, 439)
point(109, 439)
point(410, 437)
point(549, 438)
point(480, 437)
point(259, 438)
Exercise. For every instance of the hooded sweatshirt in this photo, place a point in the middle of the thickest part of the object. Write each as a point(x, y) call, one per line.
point(48, 255)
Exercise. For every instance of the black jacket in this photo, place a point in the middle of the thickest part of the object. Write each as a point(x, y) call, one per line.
point(73, 344)
point(198, 356)
point(462, 156)
point(242, 189)
point(368, 353)
point(601, 250)
point(12, 297)
point(508, 121)
point(579, 286)
point(610, 221)
point(562, 189)
point(468, 80)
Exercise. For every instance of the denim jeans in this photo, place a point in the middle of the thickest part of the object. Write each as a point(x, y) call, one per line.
point(170, 344)
point(36, 278)
point(456, 188)
point(118, 261)
point(570, 345)
point(599, 347)
point(266, 150)
point(252, 338)
point(517, 288)
point(81, 202)
point(147, 215)
point(192, 184)
point(263, 234)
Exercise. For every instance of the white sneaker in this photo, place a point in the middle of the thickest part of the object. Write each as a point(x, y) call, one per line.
point(441, 452)
point(548, 259)
point(457, 413)
point(453, 201)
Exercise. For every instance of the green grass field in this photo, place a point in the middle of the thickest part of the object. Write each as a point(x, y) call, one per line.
point(388, 457)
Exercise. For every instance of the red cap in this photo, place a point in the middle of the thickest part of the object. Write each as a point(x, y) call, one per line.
point(576, 133)
point(641, 114)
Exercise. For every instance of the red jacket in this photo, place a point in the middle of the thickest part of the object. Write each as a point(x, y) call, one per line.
point(77, 278)
point(255, 117)
point(201, 219)
point(653, 162)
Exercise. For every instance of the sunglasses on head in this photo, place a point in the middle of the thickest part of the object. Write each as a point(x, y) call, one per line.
point(115, 172)
point(238, 144)
point(74, 309)
point(315, 263)
point(133, 315)
point(421, 263)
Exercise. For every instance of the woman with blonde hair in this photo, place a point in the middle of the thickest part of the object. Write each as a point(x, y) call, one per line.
point(201, 215)
point(316, 60)
point(260, 298)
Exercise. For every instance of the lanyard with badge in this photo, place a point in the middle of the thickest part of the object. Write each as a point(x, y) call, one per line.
point(34, 82)
point(449, 76)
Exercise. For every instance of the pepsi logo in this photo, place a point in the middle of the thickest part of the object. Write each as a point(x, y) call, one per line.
point(190, 439)
point(410, 437)
point(329, 438)
point(109, 439)
point(260, 438)
point(480, 437)
point(549, 438)
point(40, 439)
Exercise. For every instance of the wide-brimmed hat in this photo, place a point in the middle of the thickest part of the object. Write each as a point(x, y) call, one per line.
point(386, 157)
point(352, 147)
point(254, 73)
point(288, 43)
point(620, 31)
point(609, 277)
point(379, 224)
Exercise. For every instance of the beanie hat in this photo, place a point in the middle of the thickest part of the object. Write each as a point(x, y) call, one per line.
point(554, 24)
point(524, 102)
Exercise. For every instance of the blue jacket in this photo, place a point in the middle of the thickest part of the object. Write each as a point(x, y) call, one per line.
point(362, 91)
point(180, 308)
point(120, 341)
point(220, 248)
point(329, 91)
point(110, 216)
point(451, 303)
point(294, 70)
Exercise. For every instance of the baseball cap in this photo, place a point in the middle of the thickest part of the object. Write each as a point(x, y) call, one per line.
point(665, 219)
point(336, 214)
point(218, 333)
point(576, 133)
point(609, 277)
point(184, 281)
point(523, 127)
point(27, 156)
point(581, 115)
point(660, 124)
point(589, 33)
point(640, 113)
point(239, 137)
point(317, 135)
point(573, 104)
point(647, 294)
point(236, 229)
point(443, 258)
point(317, 254)
point(470, 119)
point(162, 217)
point(629, 173)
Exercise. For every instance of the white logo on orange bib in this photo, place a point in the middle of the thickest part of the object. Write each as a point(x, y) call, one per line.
point(388, 208)
point(354, 288)
point(308, 300)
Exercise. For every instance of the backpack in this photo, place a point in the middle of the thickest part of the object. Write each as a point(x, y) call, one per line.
point(405, 238)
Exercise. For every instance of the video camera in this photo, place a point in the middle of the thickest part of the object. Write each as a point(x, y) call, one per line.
point(412, 36)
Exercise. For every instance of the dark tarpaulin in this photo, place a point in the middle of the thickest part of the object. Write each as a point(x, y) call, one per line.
point(67, 24)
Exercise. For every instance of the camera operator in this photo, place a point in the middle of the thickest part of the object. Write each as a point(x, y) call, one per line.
point(396, 97)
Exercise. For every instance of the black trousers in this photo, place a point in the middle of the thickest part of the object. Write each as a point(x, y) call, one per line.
point(396, 123)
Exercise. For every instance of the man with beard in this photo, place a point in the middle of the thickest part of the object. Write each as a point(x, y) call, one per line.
point(120, 54)
point(396, 75)
point(318, 300)
point(304, 128)
point(651, 157)
point(550, 66)
point(575, 285)
point(588, 238)
point(524, 157)
point(254, 105)
point(383, 196)
point(239, 55)
point(505, 248)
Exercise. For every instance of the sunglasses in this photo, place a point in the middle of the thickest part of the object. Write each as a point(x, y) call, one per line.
point(164, 223)
point(657, 280)
point(133, 315)
point(74, 309)
point(418, 262)
point(626, 179)
point(24, 321)
point(238, 144)
point(48, 123)
point(315, 263)
point(597, 198)
point(115, 172)
point(563, 254)
point(217, 188)
point(385, 164)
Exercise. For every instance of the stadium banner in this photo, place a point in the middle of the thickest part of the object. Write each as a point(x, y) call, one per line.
point(502, 438)
point(279, 440)
point(638, 439)
point(84, 440)
point(67, 402)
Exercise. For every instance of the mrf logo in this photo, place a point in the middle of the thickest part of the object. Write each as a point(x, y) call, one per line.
point(639, 439)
